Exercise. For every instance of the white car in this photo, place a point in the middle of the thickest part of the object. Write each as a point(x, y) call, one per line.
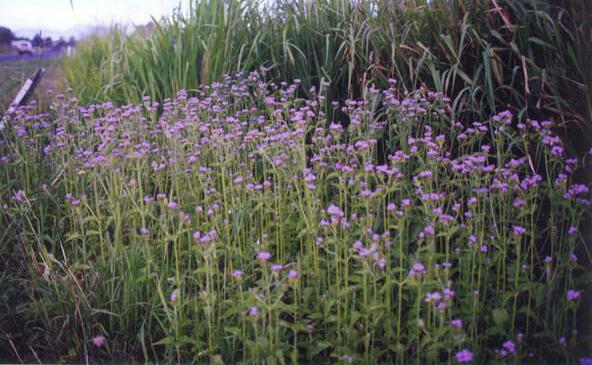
point(23, 47)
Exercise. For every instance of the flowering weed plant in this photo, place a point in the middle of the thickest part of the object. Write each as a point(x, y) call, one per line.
point(240, 225)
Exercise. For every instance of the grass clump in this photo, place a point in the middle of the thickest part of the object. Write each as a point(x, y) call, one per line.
point(246, 224)
point(529, 57)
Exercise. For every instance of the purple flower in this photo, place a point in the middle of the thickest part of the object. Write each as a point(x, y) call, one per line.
point(277, 267)
point(510, 346)
point(518, 231)
point(293, 275)
point(456, 323)
point(263, 256)
point(335, 211)
point(573, 295)
point(433, 297)
point(254, 312)
point(428, 231)
point(518, 203)
point(448, 294)
point(417, 270)
point(172, 205)
point(237, 274)
point(464, 356)
point(98, 341)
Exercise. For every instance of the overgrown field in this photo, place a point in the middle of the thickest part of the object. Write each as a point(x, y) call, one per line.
point(246, 224)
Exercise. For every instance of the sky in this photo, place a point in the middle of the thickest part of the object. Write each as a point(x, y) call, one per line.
point(73, 17)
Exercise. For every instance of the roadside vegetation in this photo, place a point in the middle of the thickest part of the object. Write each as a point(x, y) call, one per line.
point(326, 181)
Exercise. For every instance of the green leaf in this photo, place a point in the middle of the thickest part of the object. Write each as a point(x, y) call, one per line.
point(500, 316)
point(165, 341)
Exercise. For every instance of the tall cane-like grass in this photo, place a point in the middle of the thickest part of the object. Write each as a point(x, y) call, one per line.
point(527, 56)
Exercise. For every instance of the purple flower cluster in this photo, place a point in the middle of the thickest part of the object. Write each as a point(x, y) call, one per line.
point(245, 174)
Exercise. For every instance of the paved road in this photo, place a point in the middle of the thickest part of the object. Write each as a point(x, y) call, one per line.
point(11, 57)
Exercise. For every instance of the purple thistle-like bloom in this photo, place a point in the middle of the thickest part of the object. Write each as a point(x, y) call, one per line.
point(263, 256)
point(464, 356)
point(254, 312)
point(335, 211)
point(518, 203)
point(573, 295)
point(510, 346)
point(428, 231)
point(417, 270)
point(19, 196)
point(237, 274)
point(518, 231)
point(456, 323)
point(293, 274)
point(433, 297)
point(98, 341)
